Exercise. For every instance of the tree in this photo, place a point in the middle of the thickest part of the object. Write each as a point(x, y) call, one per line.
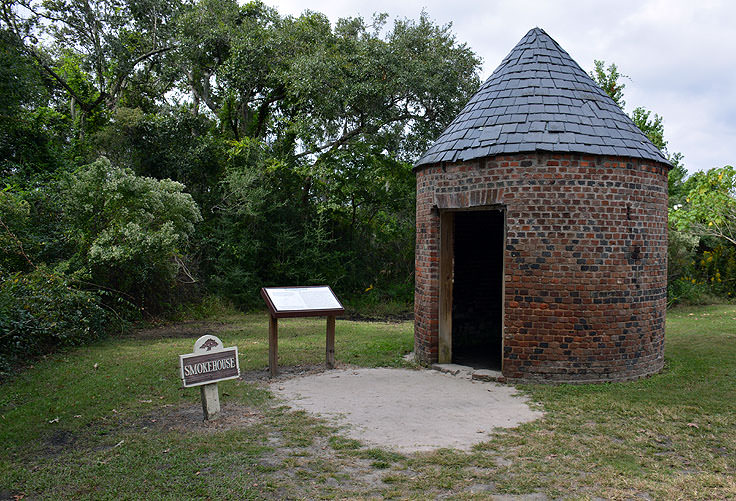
point(652, 127)
point(93, 49)
point(710, 205)
point(294, 136)
point(608, 80)
point(310, 89)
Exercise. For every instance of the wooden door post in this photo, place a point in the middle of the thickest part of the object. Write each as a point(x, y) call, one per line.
point(330, 349)
point(273, 346)
point(447, 240)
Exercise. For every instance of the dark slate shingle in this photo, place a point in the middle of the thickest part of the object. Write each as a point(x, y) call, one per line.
point(540, 99)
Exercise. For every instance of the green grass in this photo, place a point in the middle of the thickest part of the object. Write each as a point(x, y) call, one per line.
point(69, 429)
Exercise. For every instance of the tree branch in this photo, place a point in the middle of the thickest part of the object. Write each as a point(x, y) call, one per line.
point(115, 90)
point(332, 145)
point(21, 251)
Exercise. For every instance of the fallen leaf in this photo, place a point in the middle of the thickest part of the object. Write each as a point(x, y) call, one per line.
point(197, 473)
point(55, 420)
point(165, 451)
point(77, 416)
point(96, 365)
point(119, 444)
point(693, 425)
point(145, 401)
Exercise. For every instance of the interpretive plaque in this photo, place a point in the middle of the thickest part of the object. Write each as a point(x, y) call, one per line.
point(301, 301)
point(285, 302)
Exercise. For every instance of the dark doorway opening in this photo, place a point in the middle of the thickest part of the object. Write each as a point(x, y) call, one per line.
point(477, 289)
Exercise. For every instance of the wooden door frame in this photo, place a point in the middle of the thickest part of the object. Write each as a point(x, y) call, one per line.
point(447, 258)
point(446, 279)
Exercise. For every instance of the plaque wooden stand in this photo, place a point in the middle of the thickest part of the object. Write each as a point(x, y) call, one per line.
point(291, 302)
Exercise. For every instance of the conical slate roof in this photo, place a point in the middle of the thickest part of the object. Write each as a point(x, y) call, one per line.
point(539, 99)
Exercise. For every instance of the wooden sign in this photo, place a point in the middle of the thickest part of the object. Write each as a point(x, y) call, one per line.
point(210, 362)
point(315, 301)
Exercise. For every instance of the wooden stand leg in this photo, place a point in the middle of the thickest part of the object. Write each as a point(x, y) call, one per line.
point(210, 401)
point(330, 351)
point(273, 346)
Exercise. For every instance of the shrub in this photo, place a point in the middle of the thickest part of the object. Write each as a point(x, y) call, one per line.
point(40, 311)
point(130, 231)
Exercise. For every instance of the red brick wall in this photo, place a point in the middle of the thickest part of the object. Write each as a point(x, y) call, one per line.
point(585, 261)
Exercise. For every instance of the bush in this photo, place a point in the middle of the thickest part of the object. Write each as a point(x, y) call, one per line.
point(40, 311)
point(690, 291)
point(130, 231)
point(680, 254)
point(708, 277)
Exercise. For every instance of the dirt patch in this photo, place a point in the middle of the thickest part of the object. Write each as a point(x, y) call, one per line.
point(190, 419)
point(391, 408)
point(58, 442)
point(189, 329)
point(285, 372)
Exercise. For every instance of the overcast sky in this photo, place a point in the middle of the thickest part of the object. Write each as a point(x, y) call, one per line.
point(679, 55)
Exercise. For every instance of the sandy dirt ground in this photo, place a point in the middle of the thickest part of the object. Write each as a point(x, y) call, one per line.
point(408, 410)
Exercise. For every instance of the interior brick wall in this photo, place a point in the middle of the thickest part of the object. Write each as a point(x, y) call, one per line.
point(585, 261)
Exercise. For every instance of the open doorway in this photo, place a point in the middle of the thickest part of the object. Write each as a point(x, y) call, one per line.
point(472, 323)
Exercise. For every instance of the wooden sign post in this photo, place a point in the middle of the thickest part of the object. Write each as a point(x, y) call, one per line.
point(210, 363)
point(290, 302)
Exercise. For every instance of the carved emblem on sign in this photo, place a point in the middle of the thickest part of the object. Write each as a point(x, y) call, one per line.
point(209, 344)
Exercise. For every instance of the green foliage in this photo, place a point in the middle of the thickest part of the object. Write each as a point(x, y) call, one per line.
point(130, 231)
point(706, 215)
point(677, 183)
point(259, 238)
point(14, 213)
point(681, 249)
point(608, 80)
point(701, 270)
point(710, 205)
point(107, 45)
point(653, 128)
point(293, 135)
point(42, 310)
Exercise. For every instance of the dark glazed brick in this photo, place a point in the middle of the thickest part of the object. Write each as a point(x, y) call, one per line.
point(577, 308)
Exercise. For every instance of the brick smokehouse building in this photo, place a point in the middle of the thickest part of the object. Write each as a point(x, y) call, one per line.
point(541, 246)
